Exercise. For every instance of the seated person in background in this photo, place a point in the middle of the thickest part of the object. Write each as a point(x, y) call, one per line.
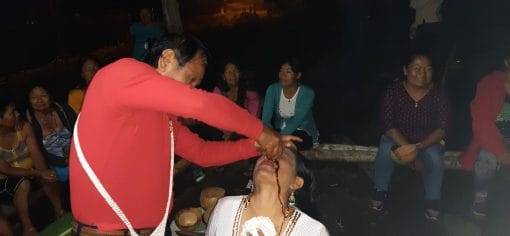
point(234, 88)
point(489, 148)
point(19, 153)
point(415, 116)
point(290, 103)
point(280, 204)
point(89, 68)
point(144, 33)
point(53, 125)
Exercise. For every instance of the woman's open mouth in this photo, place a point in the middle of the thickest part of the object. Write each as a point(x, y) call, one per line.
point(271, 163)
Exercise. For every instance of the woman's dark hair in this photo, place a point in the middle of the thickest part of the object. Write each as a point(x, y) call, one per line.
point(33, 86)
point(223, 86)
point(410, 59)
point(5, 101)
point(305, 196)
point(184, 46)
point(294, 64)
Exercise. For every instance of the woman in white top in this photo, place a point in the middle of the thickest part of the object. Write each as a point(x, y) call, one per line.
point(277, 205)
point(288, 105)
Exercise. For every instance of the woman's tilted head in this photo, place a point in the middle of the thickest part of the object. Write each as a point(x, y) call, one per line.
point(294, 176)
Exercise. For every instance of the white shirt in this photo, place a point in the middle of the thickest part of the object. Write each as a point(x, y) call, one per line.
point(287, 106)
point(222, 221)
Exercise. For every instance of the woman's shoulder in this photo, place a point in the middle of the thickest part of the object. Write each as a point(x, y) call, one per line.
point(439, 91)
point(24, 127)
point(65, 108)
point(76, 92)
point(309, 224)
point(227, 205)
point(398, 84)
point(306, 88)
point(275, 85)
point(231, 199)
point(252, 94)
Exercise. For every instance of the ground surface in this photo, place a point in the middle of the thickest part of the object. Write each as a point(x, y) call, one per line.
point(343, 191)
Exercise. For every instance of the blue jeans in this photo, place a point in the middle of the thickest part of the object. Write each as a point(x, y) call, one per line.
point(432, 158)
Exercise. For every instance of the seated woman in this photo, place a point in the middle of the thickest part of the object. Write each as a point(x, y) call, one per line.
point(19, 153)
point(490, 146)
point(415, 116)
point(280, 204)
point(53, 125)
point(290, 103)
point(75, 97)
point(232, 87)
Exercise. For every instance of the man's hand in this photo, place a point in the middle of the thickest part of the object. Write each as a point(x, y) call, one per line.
point(289, 140)
point(227, 135)
point(271, 143)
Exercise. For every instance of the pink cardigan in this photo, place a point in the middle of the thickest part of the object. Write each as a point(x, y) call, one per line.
point(251, 103)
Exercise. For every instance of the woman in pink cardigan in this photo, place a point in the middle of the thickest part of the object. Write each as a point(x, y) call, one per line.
point(489, 148)
point(233, 87)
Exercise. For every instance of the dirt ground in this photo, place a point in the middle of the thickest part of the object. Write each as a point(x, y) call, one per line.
point(343, 192)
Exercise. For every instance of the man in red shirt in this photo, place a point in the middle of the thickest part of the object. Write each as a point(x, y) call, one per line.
point(124, 135)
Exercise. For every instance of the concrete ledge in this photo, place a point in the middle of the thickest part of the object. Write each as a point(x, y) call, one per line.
point(363, 154)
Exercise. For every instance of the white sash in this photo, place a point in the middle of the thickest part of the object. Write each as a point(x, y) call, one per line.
point(160, 229)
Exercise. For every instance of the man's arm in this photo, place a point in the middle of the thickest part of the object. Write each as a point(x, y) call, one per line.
point(142, 87)
point(210, 153)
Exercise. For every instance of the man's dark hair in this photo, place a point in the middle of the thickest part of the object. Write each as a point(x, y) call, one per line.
point(184, 46)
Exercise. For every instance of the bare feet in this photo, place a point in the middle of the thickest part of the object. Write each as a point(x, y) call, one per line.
point(30, 232)
point(60, 213)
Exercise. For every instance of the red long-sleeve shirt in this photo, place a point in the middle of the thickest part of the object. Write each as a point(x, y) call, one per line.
point(485, 107)
point(125, 137)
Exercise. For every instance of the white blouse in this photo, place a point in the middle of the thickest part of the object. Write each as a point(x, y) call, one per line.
point(225, 220)
point(287, 106)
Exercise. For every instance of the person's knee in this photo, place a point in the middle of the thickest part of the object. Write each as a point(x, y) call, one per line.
point(385, 146)
point(433, 162)
point(435, 151)
point(23, 187)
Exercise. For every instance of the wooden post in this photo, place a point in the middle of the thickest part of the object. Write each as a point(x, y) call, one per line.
point(171, 16)
point(363, 154)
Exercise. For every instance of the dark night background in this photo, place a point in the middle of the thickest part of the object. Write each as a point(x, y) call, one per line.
point(351, 48)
